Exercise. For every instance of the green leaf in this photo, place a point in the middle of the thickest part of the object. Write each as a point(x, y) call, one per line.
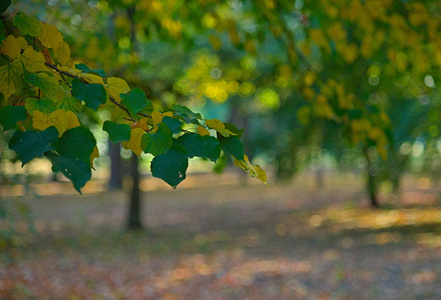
point(233, 128)
point(135, 101)
point(86, 69)
point(78, 143)
point(231, 145)
point(212, 147)
point(194, 144)
point(4, 4)
point(31, 144)
point(10, 115)
point(171, 166)
point(70, 104)
point(44, 105)
point(2, 31)
point(157, 143)
point(27, 25)
point(46, 82)
point(92, 94)
point(173, 124)
point(186, 113)
point(117, 132)
point(75, 169)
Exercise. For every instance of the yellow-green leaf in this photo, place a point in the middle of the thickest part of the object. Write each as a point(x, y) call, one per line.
point(253, 170)
point(23, 43)
point(10, 78)
point(63, 54)
point(61, 119)
point(156, 118)
point(10, 47)
point(219, 127)
point(95, 154)
point(33, 60)
point(116, 86)
point(92, 78)
point(202, 130)
point(27, 25)
point(51, 37)
point(134, 143)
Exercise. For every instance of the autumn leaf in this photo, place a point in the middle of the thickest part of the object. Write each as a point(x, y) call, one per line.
point(116, 86)
point(219, 127)
point(202, 130)
point(134, 143)
point(63, 54)
point(51, 37)
point(33, 60)
point(10, 47)
point(10, 78)
point(61, 119)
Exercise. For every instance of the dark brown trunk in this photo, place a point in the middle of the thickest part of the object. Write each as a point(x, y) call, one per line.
point(371, 184)
point(134, 214)
point(116, 169)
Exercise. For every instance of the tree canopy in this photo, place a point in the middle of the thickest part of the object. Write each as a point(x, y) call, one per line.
point(45, 95)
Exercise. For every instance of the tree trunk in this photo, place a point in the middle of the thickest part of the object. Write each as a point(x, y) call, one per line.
point(135, 210)
point(371, 185)
point(116, 170)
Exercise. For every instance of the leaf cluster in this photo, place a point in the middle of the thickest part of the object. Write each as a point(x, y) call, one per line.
point(45, 92)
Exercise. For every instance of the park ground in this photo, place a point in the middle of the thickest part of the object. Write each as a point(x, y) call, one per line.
point(216, 238)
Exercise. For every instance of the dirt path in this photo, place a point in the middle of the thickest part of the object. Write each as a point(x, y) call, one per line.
point(230, 242)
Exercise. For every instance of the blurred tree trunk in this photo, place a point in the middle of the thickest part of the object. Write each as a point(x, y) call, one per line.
point(371, 184)
point(116, 169)
point(134, 217)
point(134, 212)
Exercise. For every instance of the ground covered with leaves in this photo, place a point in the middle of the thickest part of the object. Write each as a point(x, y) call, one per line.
point(229, 241)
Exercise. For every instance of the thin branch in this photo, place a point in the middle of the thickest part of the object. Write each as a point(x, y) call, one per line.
point(122, 107)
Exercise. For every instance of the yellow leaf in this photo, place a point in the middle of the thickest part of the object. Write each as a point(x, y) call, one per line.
point(23, 43)
point(167, 114)
point(116, 86)
point(72, 71)
point(10, 78)
point(92, 78)
point(219, 127)
point(51, 37)
point(156, 118)
point(202, 130)
point(63, 54)
point(254, 171)
point(214, 124)
point(61, 119)
point(134, 143)
point(95, 154)
point(10, 47)
point(143, 124)
point(33, 60)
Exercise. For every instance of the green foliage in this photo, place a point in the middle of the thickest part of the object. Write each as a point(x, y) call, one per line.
point(78, 143)
point(171, 166)
point(231, 145)
point(44, 91)
point(73, 168)
point(92, 94)
point(27, 25)
point(159, 142)
point(117, 132)
point(10, 115)
point(135, 101)
point(31, 144)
